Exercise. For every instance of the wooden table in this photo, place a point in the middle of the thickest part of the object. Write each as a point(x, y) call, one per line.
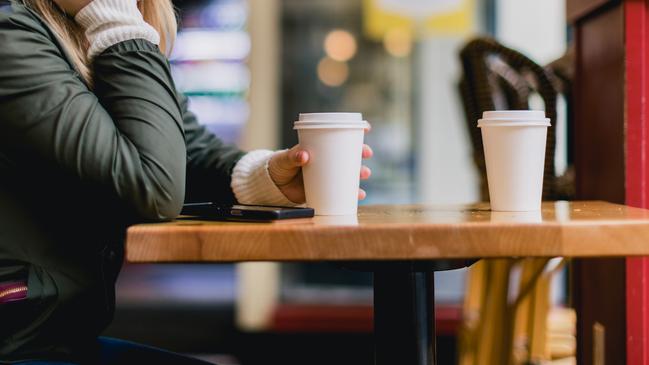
point(402, 246)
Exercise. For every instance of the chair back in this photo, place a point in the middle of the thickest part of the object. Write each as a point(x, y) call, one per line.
point(499, 78)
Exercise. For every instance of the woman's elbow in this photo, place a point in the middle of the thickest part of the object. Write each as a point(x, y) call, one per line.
point(168, 210)
point(162, 203)
point(161, 211)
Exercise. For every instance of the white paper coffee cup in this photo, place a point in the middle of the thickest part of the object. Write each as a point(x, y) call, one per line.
point(514, 148)
point(334, 142)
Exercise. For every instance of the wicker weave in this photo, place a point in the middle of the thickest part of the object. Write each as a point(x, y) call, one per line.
point(498, 78)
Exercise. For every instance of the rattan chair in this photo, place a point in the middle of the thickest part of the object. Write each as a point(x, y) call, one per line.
point(499, 329)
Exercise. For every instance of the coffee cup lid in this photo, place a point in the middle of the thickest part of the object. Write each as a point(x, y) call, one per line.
point(514, 123)
point(330, 121)
point(514, 118)
point(332, 125)
point(330, 117)
point(514, 114)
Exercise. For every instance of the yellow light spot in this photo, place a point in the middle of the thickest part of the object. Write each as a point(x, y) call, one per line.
point(398, 42)
point(332, 73)
point(340, 45)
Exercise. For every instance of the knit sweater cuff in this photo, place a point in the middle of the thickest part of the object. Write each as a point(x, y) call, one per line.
point(108, 22)
point(252, 183)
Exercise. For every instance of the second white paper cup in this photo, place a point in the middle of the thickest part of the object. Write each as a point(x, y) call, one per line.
point(335, 145)
point(514, 148)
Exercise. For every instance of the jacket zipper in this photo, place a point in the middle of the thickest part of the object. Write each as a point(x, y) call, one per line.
point(13, 291)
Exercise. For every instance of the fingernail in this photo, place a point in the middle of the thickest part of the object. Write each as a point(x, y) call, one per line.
point(299, 156)
point(368, 171)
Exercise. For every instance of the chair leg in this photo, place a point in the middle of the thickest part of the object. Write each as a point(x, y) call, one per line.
point(538, 342)
point(491, 347)
point(531, 308)
point(473, 298)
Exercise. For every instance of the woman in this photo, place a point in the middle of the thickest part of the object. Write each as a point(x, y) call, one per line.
point(94, 137)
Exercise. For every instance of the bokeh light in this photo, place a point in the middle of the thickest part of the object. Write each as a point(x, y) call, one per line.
point(398, 42)
point(332, 73)
point(340, 45)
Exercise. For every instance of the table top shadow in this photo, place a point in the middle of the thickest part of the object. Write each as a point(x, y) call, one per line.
point(403, 232)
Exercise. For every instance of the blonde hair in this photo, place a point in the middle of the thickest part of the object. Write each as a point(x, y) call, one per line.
point(158, 13)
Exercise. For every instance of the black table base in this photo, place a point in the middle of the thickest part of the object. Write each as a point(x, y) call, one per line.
point(404, 309)
point(404, 318)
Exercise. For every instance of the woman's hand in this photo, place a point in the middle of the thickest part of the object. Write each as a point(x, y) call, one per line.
point(285, 169)
point(72, 7)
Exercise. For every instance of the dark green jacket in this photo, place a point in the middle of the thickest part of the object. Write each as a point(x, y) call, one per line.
point(77, 166)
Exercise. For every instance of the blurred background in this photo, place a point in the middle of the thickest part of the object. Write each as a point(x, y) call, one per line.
point(249, 67)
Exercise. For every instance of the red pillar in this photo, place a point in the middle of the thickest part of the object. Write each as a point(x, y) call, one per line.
point(637, 171)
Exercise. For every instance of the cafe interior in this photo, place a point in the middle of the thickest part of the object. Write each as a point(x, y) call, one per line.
point(421, 72)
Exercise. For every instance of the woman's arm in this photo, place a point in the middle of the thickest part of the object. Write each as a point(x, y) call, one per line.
point(130, 142)
point(222, 173)
point(210, 162)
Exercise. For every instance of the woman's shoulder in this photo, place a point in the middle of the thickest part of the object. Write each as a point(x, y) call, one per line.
point(25, 38)
point(16, 19)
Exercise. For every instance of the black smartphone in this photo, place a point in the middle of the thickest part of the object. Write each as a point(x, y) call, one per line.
point(254, 213)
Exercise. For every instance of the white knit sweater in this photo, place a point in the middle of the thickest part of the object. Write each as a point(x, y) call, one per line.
point(108, 22)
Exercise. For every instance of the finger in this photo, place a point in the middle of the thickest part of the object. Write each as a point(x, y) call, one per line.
point(285, 165)
point(369, 128)
point(293, 158)
point(301, 196)
point(295, 190)
point(367, 151)
point(301, 157)
point(365, 172)
point(361, 194)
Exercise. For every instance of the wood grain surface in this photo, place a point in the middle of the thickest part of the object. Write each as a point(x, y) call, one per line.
point(414, 232)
